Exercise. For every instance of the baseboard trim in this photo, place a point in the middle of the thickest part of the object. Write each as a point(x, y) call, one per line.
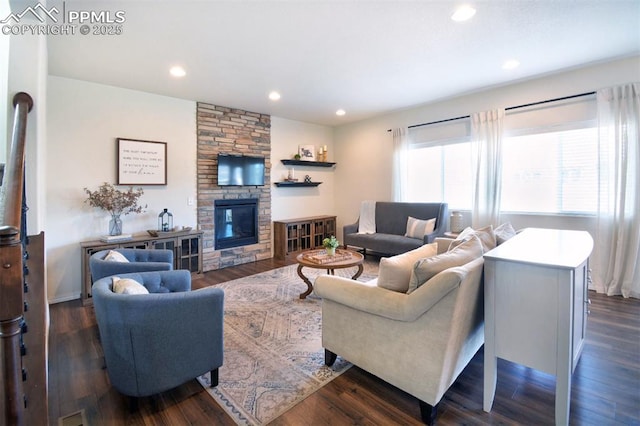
point(64, 298)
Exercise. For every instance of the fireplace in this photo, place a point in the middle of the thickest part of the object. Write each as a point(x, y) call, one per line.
point(236, 223)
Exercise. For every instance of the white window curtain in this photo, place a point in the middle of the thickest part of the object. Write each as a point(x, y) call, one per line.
point(400, 163)
point(616, 257)
point(486, 140)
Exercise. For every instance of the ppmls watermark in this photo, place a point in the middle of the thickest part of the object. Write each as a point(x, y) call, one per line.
point(66, 22)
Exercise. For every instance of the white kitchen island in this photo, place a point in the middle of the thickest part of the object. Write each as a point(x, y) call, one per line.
point(535, 307)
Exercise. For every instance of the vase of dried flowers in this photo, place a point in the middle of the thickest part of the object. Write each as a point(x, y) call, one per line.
point(116, 202)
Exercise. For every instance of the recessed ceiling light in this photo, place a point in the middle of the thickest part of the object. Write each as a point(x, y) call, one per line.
point(463, 13)
point(510, 64)
point(177, 71)
point(274, 96)
point(341, 112)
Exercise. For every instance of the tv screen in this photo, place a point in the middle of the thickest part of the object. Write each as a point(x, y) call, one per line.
point(240, 170)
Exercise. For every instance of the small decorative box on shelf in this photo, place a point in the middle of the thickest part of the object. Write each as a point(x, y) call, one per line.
point(307, 163)
point(296, 184)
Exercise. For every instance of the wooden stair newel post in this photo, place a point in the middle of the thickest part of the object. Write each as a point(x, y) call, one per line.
point(12, 266)
point(11, 310)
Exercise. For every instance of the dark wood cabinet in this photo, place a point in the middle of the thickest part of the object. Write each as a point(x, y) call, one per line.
point(296, 235)
point(186, 247)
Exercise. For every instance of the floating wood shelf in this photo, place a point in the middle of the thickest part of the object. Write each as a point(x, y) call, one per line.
point(307, 163)
point(297, 184)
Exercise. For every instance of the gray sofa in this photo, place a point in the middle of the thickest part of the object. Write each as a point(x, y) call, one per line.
point(391, 225)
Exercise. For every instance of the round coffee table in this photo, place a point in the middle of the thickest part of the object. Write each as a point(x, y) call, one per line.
point(303, 260)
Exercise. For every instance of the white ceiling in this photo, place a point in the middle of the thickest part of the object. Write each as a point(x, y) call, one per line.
point(367, 57)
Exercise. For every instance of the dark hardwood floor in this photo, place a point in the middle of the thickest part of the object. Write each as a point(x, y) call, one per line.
point(605, 390)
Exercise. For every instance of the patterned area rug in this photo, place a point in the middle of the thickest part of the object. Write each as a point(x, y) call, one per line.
point(273, 355)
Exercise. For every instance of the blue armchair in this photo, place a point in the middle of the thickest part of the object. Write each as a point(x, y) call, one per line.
point(139, 260)
point(155, 342)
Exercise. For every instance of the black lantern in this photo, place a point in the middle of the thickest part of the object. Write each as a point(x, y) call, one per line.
point(165, 221)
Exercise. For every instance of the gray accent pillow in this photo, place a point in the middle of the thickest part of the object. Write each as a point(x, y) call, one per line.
point(504, 232)
point(486, 236)
point(425, 269)
point(395, 272)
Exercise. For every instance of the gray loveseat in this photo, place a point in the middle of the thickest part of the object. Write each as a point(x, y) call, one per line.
point(391, 225)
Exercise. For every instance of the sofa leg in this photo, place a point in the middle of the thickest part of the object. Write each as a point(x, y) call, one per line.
point(428, 413)
point(329, 358)
point(133, 404)
point(214, 378)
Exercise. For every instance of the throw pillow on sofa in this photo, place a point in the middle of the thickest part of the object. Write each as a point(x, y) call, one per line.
point(425, 269)
point(115, 256)
point(128, 286)
point(395, 272)
point(486, 236)
point(418, 228)
point(504, 232)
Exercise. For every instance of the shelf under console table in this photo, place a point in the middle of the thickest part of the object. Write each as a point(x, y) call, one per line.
point(536, 303)
point(186, 247)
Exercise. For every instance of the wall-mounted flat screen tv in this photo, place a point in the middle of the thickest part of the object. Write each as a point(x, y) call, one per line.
point(240, 170)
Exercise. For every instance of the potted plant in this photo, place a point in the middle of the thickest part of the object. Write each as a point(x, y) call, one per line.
point(116, 202)
point(330, 244)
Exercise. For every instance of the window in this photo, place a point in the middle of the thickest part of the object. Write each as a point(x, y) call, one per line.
point(441, 173)
point(550, 158)
point(552, 172)
point(439, 164)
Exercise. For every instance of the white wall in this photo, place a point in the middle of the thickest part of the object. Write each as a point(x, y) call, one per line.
point(365, 148)
point(288, 203)
point(84, 120)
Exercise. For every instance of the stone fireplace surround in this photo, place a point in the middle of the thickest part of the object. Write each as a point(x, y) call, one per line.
point(231, 131)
